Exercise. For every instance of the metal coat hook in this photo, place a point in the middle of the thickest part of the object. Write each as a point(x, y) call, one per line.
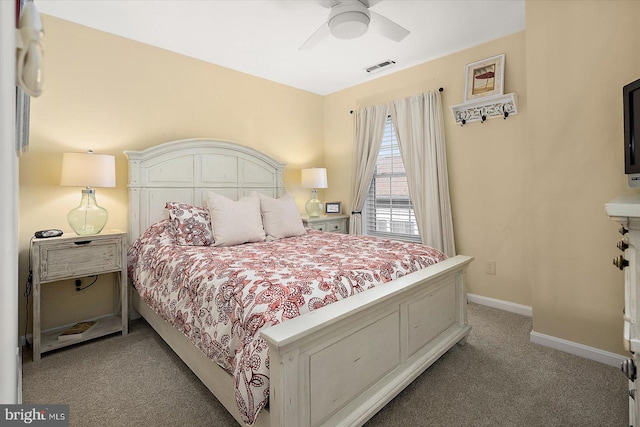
point(464, 122)
point(483, 118)
point(505, 112)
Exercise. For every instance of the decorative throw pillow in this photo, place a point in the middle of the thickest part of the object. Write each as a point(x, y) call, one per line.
point(191, 224)
point(235, 222)
point(280, 217)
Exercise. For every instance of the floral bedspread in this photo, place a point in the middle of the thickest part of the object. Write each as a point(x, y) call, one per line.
point(220, 297)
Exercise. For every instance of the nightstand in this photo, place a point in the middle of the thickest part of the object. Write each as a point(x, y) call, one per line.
point(69, 257)
point(329, 223)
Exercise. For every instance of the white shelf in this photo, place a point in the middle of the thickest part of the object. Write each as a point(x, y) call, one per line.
point(482, 109)
point(625, 205)
point(106, 325)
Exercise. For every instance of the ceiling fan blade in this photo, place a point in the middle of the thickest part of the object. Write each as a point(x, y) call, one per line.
point(387, 28)
point(370, 3)
point(328, 4)
point(316, 37)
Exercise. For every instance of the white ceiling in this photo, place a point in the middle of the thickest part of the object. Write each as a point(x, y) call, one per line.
point(262, 37)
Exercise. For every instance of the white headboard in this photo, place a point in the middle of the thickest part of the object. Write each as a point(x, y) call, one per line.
point(185, 170)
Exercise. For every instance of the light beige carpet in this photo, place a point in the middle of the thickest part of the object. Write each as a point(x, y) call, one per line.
point(497, 379)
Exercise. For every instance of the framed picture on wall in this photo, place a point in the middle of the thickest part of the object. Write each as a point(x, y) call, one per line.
point(332, 208)
point(484, 78)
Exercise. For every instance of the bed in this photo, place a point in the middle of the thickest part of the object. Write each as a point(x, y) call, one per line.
point(334, 366)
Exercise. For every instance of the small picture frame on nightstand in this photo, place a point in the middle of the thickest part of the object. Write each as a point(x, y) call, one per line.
point(333, 208)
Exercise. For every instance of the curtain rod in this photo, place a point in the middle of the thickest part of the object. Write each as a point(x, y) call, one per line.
point(439, 90)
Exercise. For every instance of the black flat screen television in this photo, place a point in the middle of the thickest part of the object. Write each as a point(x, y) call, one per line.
point(631, 98)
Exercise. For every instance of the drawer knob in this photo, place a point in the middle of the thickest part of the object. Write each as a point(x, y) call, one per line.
point(629, 369)
point(620, 262)
point(622, 245)
point(623, 231)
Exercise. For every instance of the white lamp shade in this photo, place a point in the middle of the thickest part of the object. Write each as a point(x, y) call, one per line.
point(88, 170)
point(314, 178)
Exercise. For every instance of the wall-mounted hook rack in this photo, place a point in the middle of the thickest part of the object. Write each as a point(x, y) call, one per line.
point(485, 108)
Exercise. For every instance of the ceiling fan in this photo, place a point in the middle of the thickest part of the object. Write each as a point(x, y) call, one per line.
point(349, 19)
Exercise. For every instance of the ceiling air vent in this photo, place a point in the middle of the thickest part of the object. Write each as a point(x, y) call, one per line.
point(379, 67)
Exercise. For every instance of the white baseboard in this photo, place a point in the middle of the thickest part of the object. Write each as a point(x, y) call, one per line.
point(512, 307)
point(592, 353)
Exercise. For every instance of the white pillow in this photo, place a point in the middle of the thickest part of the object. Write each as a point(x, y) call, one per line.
point(235, 222)
point(280, 217)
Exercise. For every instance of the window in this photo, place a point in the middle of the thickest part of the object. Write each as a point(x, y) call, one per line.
point(388, 211)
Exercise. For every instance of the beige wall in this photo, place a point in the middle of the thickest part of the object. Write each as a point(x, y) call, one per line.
point(579, 55)
point(529, 192)
point(485, 161)
point(111, 94)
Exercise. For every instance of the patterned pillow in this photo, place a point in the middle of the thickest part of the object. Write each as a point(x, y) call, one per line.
point(191, 224)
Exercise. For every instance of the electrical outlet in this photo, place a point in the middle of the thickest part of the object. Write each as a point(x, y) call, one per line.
point(491, 268)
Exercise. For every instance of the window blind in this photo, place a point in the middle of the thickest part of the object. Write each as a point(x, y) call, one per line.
point(388, 211)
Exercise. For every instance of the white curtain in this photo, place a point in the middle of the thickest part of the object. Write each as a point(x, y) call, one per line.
point(420, 132)
point(369, 125)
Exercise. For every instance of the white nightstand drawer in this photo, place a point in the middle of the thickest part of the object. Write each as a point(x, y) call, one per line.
point(336, 227)
point(319, 227)
point(330, 224)
point(80, 257)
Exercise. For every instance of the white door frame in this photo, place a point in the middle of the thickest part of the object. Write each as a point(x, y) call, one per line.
point(9, 346)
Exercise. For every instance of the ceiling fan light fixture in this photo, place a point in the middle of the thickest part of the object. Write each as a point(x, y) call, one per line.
point(349, 19)
point(349, 25)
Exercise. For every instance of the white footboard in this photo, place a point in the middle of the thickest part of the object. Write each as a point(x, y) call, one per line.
point(340, 365)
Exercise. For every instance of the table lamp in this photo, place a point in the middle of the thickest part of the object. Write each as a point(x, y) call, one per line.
point(88, 170)
point(314, 178)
